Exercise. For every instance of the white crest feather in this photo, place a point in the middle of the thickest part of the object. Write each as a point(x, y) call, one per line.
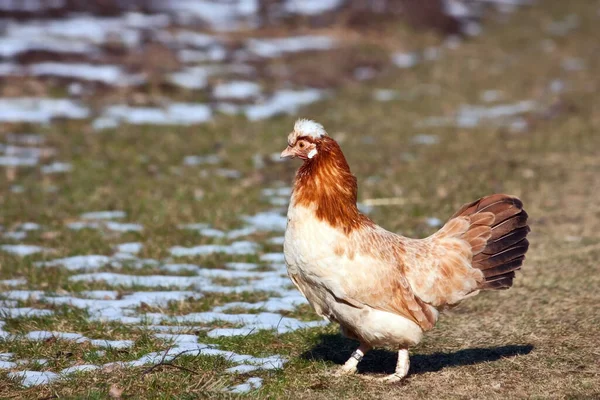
point(306, 127)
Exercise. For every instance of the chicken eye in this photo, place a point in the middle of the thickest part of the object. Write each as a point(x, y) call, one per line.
point(301, 144)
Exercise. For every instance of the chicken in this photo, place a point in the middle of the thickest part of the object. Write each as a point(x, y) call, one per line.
point(383, 289)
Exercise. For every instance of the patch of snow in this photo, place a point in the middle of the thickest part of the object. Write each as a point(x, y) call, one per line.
point(39, 110)
point(193, 78)
point(385, 94)
point(267, 221)
point(221, 16)
point(13, 282)
point(277, 47)
point(131, 248)
point(250, 384)
point(22, 249)
point(108, 74)
point(135, 280)
point(278, 241)
point(7, 364)
point(114, 344)
point(23, 312)
point(405, 60)
point(238, 248)
point(283, 101)
point(29, 226)
point(311, 7)
point(210, 232)
point(56, 168)
point(172, 114)
point(240, 369)
point(239, 266)
point(33, 378)
point(100, 294)
point(76, 226)
point(238, 90)
point(123, 227)
point(198, 160)
point(103, 215)
point(18, 235)
point(273, 257)
point(78, 263)
point(11, 161)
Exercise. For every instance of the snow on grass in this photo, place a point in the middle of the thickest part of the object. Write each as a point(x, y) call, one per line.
point(123, 227)
point(405, 60)
point(131, 248)
point(172, 114)
point(311, 7)
point(107, 74)
point(274, 304)
point(212, 159)
point(78, 34)
point(238, 90)
point(237, 248)
point(33, 378)
point(13, 282)
point(11, 161)
point(212, 54)
point(7, 364)
point(240, 266)
point(267, 221)
point(470, 116)
point(7, 312)
point(193, 78)
point(250, 384)
point(78, 263)
point(277, 47)
point(22, 249)
point(283, 101)
point(40, 110)
point(220, 16)
point(103, 215)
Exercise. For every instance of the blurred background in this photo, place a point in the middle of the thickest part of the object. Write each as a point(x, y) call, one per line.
point(143, 201)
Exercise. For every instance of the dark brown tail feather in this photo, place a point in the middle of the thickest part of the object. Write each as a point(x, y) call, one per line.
point(499, 251)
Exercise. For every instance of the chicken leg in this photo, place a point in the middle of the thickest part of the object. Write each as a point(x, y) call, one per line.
point(350, 366)
point(401, 368)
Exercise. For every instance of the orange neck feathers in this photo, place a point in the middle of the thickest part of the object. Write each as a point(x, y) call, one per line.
point(326, 183)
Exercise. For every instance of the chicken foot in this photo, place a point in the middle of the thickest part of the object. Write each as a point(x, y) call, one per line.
point(350, 366)
point(402, 366)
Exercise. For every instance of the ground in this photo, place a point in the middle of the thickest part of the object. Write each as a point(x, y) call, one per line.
point(540, 339)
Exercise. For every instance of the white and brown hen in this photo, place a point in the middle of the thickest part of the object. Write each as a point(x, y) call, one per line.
point(383, 289)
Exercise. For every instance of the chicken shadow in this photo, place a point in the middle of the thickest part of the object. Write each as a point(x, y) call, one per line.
point(338, 349)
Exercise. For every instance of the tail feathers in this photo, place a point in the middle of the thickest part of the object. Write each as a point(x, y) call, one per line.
point(498, 238)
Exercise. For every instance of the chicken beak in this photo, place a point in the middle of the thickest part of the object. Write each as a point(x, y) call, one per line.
point(287, 153)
